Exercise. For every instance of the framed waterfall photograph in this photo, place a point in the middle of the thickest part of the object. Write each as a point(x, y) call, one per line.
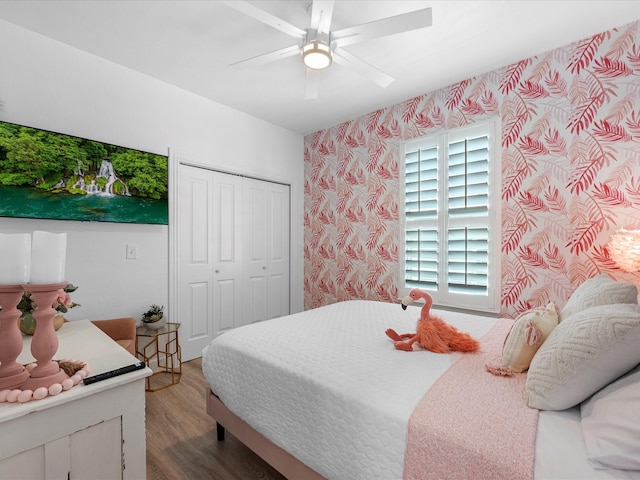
point(56, 176)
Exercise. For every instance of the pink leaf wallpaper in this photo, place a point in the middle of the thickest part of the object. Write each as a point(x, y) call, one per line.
point(570, 147)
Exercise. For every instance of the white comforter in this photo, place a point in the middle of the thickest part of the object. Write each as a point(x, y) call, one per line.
point(328, 386)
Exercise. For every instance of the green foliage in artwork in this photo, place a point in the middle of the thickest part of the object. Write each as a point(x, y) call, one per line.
point(51, 161)
point(101, 182)
point(146, 173)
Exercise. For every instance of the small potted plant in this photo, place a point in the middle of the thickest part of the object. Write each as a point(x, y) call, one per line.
point(154, 317)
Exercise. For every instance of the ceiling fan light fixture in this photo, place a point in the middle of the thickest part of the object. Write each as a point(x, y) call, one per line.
point(316, 54)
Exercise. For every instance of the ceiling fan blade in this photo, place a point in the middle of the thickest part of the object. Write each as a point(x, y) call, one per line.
point(382, 28)
point(267, 57)
point(311, 84)
point(265, 17)
point(368, 71)
point(321, 13)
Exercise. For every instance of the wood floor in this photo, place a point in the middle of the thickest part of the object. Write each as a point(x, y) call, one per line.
point(181, 437)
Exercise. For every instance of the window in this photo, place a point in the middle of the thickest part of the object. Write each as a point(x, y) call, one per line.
point(452, 217)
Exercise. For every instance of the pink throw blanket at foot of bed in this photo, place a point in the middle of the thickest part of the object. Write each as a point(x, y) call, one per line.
point(472, 424)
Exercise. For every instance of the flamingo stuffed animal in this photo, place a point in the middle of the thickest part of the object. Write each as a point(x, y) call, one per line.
point(433, 333)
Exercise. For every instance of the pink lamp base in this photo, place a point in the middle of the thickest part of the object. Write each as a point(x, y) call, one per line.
point(12, 374)
point(37, 388)
point(33, 383)
point(14, 381)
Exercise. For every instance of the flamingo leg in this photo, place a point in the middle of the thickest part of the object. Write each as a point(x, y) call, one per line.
point(393, 335)
point(408, 345)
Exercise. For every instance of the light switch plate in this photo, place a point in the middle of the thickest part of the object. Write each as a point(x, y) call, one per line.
point(132, 252)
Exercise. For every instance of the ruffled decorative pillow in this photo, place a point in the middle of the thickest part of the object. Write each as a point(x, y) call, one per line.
point(600, 290)
point(529, 331)
point(584, 353)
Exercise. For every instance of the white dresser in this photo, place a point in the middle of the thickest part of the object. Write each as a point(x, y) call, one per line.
point(94, 431)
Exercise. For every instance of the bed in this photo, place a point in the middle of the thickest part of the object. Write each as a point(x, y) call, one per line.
point(324, 394)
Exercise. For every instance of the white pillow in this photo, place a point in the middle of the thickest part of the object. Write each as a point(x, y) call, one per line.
point(600, 290)
point(527, 334)
point(584, 353)
point(611, 424)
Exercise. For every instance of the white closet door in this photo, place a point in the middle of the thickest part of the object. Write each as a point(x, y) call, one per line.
point(227, 252)
point(279, 216)
point(233, 254)
point(255, 244)
point(266, 250)
point(195, 260)
point(210, 256)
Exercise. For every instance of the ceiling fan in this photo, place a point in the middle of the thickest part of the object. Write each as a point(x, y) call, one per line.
point(319, 46)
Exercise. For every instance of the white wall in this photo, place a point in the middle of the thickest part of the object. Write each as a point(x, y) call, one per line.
point(49, 85)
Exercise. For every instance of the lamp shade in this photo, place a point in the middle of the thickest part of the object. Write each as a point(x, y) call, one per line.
point(624, 248)
point(15, 258)
point(48, 257)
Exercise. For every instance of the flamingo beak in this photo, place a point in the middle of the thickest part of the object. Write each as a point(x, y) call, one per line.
point(408, 300)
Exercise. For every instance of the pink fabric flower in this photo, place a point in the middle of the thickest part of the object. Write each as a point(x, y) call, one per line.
point(63, 299)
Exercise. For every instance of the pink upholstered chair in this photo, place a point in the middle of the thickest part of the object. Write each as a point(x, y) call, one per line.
point(122, 330)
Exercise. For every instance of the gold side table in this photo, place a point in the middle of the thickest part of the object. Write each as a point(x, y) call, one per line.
point(160, 350)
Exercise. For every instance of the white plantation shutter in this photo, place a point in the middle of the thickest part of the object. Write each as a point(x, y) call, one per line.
point(468, 175)
point(421, 210)
point(467, 260)
point(452, 217)
point(421, 182)
point(421, 258)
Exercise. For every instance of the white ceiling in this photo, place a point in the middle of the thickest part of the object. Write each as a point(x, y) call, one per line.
point(191, 43)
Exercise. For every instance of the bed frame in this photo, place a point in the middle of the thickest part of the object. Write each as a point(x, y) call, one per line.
point(281, 460)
